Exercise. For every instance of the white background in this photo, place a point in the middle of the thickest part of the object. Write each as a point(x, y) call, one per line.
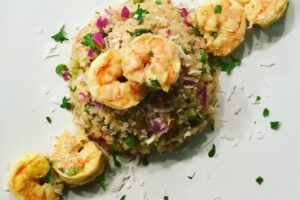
point(230, 175)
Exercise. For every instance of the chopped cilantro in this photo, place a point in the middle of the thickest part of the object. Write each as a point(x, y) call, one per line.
point(73, 89)
point(88, 41)
point(101, 182)
point(154, 83)
point(186, 52)
point(139, 14)
point(166, 198)
point(192, 118)
point(66, 104)
point(116, 162)
point(257, 100)
point(275, 125)
point(144, 161)
point(266, 112)
point(259, 180)
point(196, 31)
point(60, 36)
point(230, 65)
point(60, 69)
point(139, 31)
point(203, 57)
point(49, 177)
point(49, 119)
point(137, 1)
point(130, 141)
point(123, 197)
point(190, 177)
point(72, 171)
point(150, 54)
point(218, 9)
point(212, 152)
point(158, 2)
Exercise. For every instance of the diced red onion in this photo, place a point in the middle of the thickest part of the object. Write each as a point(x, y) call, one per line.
point(168, 32)
point(158, 126)
point(204, 96)
point(98, 38)
point(82, 96)
point(109, 11)
point(125, 13)
point(184, 12)
point(91, 53)
point(65, 75)
point(98, 105)
point(102, 23)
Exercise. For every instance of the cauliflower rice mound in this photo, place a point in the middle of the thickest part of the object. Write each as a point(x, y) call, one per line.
point(162, 121)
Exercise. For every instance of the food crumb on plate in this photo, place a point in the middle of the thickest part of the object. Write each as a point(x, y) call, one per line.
point(45, 90)
point(237, 109)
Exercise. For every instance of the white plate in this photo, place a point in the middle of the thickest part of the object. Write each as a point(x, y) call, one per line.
point(230, 175)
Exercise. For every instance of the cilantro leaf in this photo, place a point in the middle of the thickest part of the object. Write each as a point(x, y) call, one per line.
point(130, 141)
point(212, 152)
point(230, 65)
point(116, 162)
point(166, 198)
point(60, 36)
point(49, 119)
point(158, 2)
point(203, 57)
point(196, 31)
point(257, 100)
point(60, 69)
point(154, 83)
point(150, 54)
point(139, 31)
point(49, 177)
point(66, 104)
point(218, 9)
point(275, 125)
point(123, 197)
point(259, 180)
point(266, 112)
point(139, 14)
point(190, 177)
point(72, 171)
point(88, 41)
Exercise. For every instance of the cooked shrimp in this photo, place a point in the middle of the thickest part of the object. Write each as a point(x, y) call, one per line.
point(108, 85)
point(26, 179)
point(223, 25)
point(265, 12)
point(152, 60)
point(77, 160)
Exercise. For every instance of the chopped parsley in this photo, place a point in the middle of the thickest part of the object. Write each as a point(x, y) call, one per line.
point(218, 9)
point(266, 112)
point(130, 141)
point(88, 41)
point(116, 162)
point(49, 177)
point(49, 120)
point(66, 104)
point(139, 31)
point(60, 69)
point(60, 36)
point(212, 152)
point(72, 171)
point(186, 52)
point(158, 2)
point(275, 125)
point(144, 161)
point(166, 198)
point(203, 57)
point(154, 83)
point(259, 180)
point(137, 1)
point(101, 182)
point(139, 14)
point(123, 197)
point(257, 100)
point(196, 31)
point(150, 54)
